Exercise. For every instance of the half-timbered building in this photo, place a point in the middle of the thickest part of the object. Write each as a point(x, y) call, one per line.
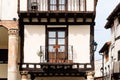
point(51, 39)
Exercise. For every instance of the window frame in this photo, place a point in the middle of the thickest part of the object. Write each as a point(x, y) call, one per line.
point(57, 5)
point(66, 39)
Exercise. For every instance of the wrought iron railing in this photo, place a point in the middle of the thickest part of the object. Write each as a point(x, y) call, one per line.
point(56, 57)
point(64, 63)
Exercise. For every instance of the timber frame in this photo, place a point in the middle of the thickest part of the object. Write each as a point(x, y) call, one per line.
point(55, 18)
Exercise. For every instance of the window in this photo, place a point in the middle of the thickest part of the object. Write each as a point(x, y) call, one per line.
point(119, 55)
point(56, 5)
point(3, 55)
point(57, 43)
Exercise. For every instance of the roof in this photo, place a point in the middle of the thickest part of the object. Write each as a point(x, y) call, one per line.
point(105, 47)
point(115, 13)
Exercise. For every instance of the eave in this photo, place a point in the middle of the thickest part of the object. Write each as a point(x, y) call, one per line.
point(105, 47)
point(111, 17)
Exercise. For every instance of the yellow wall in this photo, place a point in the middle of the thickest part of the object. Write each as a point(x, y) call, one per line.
point(3, 70)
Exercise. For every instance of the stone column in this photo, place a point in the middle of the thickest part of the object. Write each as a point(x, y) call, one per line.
point(90, 75)
point(24, 75)
point(13, 54)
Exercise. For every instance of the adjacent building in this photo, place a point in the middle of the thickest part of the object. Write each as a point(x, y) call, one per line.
point(47, 39)
point(111, 50)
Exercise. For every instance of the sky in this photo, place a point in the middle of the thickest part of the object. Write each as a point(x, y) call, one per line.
point(102, 35)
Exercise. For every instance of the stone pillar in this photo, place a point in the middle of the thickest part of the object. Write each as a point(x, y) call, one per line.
point(90, 75)
point(13, 54)
point(24, 75)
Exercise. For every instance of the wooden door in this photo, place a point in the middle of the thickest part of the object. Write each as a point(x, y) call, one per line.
point(57, 45)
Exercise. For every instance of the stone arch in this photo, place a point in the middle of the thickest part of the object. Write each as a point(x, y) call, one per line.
point(3, 37)
point(3, 51)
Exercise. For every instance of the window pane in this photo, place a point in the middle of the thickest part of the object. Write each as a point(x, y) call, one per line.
point(53, 8)
point(52, 41)
point(53, 2)
point(61, 49)
point(51, 49)
point(61, 34)
point(61, 1)
point(52, 34)
point(61, 7)
point(61, 41)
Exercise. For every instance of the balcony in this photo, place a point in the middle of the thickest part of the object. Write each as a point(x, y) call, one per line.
point(56, 12)
point(56, 6)
point(56, 64)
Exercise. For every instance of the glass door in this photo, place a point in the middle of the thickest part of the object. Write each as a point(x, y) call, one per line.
point(57, 45)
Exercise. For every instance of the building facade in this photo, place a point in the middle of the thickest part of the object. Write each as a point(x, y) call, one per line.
point(111, 50)
point(47, 39)
point(98, 73)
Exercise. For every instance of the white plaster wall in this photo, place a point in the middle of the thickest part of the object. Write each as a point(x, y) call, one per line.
point(3, 70)
point(117, 48)
point(23, 5)
point(0, 9)
point(98, 65)
point(9, 9)
point(79, 37)
point(117, 27)
point(116, 43)
point(60, 78)
point(90, 5)
point(34, 37)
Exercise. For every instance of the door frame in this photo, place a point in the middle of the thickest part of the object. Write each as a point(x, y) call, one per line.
point(66, 39)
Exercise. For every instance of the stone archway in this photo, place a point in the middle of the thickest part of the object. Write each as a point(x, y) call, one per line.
point(3, 52)
point(3, 37)
point(12, 45)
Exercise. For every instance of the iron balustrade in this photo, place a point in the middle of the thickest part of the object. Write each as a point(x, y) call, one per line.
point(56, 57)
point(66, 64)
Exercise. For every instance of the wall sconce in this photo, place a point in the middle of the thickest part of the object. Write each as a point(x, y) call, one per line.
point(14, 19)
point(95, 45)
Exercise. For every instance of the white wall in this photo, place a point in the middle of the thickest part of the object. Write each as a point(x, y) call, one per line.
point(0, 9)
point(115, 32)
point(9, 9)
point(79, 37)
point(98, 65)
point(90, 5)
point(23, 5)
point(34, 38)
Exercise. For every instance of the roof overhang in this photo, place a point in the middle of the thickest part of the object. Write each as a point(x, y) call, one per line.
point(111, 17)
point(105, 47)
